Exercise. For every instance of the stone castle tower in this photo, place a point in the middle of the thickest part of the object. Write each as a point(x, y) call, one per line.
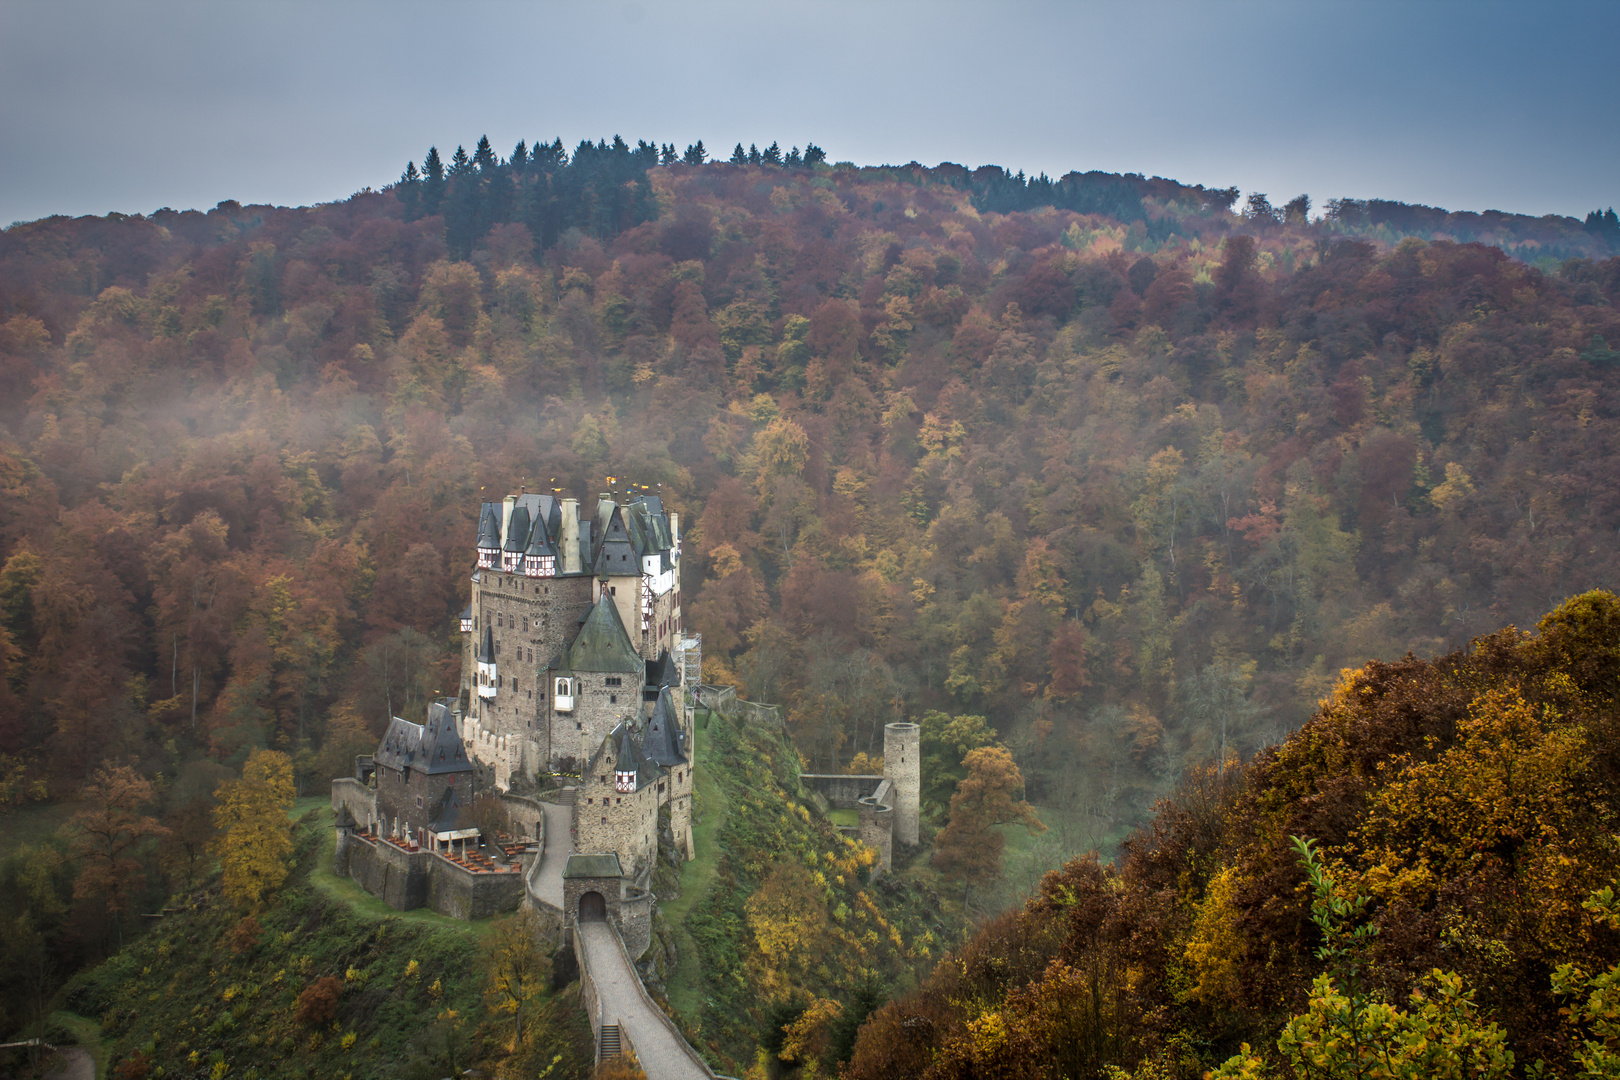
point(902, 764)
point(574, 631)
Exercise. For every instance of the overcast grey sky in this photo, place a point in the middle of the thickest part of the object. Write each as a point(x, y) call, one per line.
point(132, 106)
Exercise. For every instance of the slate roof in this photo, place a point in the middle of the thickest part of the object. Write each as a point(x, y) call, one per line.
point(433, 748)
point(486, 648)
point(489, 526)
point(663, 671)
point(602, 644)
point(539, 539)
point(664, 742)
point(452, 813)
point(589, 866)
point(517, 530)
point(627, 756)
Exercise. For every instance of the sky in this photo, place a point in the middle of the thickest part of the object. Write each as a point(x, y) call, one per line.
point(133, 105)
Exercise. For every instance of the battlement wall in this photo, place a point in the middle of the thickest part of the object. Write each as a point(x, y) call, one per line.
point(842, 792)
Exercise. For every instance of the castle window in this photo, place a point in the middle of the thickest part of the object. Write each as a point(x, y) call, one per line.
point(604, 821)
point(613, 590)
point(589, 801)
point(613, 699)
point(614, 680)
point(419, 802)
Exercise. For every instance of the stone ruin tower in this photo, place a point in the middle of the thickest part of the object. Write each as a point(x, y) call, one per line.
point(902, 764)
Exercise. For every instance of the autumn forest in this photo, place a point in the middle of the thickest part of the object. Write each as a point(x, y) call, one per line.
point(1110, 476)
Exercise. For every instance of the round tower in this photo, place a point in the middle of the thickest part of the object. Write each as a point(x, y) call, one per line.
point(902, 764)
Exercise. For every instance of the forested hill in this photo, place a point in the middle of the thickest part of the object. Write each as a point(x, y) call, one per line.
point(1134, 488)
point(1419, 883)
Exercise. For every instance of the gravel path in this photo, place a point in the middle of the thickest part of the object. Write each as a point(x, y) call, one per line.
point(559, 845)
point(662, 1054)
point(75, 1063)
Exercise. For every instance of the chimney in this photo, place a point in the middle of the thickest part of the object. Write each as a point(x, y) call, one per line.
point(507, 505)
point(674, 530)
point(569, 540)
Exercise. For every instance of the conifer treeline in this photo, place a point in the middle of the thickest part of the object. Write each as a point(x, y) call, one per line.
point(602, 189)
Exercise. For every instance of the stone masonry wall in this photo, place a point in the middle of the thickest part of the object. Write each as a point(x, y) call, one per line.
point(462, 894)
point(902, 763)
point(360, 799)
point(626, 826)
point(635, 922)
point(841, 792)
point(537, 616)
point(398, 878)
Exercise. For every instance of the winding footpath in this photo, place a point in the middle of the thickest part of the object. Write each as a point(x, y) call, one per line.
point(546, 884)
point(662, 1054)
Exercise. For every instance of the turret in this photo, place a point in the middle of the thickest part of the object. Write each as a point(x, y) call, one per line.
point(467, 618)
point(489, 536)
point(902, 764)
point(487, 676)
point(517, 538)
point(540, 557)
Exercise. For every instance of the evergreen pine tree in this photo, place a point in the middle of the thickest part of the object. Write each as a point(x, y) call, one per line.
point(793, 159)
point(484, 156)
point(409, 192)
point(695, 154)
point(772, 154)
point(739, 156)
point(813, 155)
point(461, 211)
point(666, 155)
point(753, 154)
point(432, 182)
point(520, 157)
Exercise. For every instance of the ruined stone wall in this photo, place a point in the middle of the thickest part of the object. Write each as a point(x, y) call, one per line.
point(841, 792)
point(876, 827)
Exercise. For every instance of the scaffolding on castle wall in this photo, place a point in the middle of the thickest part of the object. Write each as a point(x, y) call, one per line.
point(689, 654)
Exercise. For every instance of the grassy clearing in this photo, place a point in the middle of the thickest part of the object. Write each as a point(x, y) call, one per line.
point(844, 816)
point(31, 824)
point(88, 1033)
point(697, 880)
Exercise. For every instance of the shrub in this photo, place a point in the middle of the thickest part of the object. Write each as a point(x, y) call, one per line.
point(318, 1002)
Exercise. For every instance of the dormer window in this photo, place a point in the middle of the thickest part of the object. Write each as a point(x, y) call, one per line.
point(624, 781)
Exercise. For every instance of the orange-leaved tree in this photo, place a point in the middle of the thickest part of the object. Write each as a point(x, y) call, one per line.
point(255, 843)
point(969, 847)
point(106, 834)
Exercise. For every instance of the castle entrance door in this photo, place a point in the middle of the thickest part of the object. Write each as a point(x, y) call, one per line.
point(592, 908)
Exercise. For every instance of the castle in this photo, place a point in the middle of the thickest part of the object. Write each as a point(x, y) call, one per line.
point(575, 679)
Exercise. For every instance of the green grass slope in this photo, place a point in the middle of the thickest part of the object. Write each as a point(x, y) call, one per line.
point(196, 997)
point(777, 910)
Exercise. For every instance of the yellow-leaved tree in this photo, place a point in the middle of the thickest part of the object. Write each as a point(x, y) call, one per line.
point(255, 841)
